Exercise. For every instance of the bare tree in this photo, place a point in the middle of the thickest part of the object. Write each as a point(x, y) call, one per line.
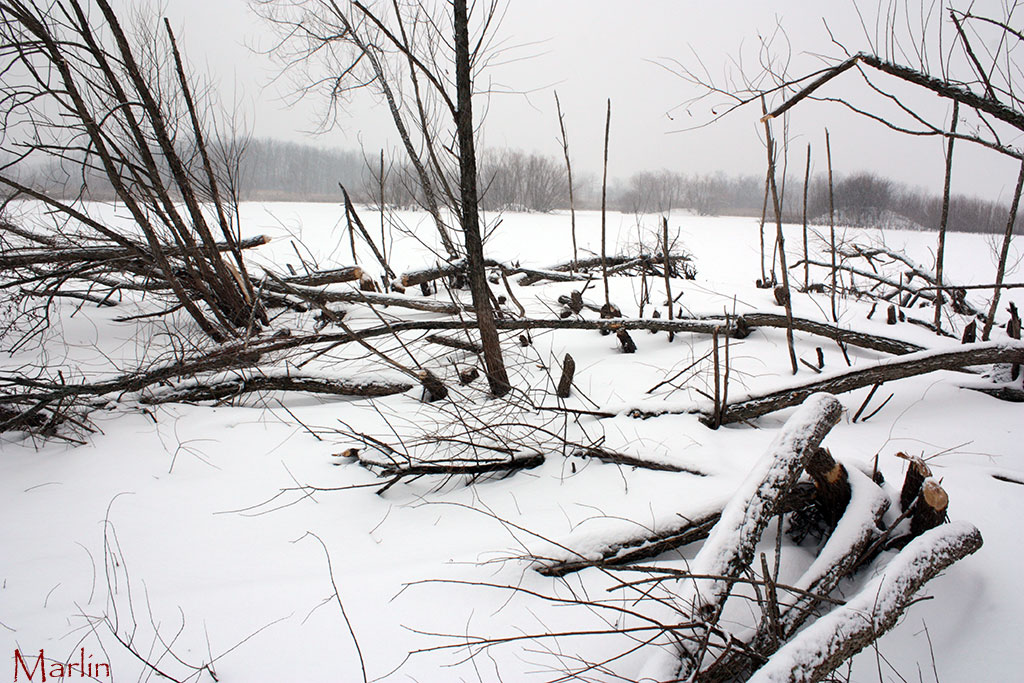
point(960, 56)
point(83, 95)
point(421, 61)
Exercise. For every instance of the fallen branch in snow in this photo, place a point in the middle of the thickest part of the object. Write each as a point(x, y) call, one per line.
point(325, 277)
point(636, 549)
point(616, 458)
point(196, 391)
point(455, 343)
point(681, 265)
point(11, 259)
point(831, 640)
point(450, 468)
point(730, 547)
point(886, 370)
point(324, 296)
point(841, 555)
point(798, 439)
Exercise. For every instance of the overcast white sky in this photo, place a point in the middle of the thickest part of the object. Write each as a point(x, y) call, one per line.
point(590, 50)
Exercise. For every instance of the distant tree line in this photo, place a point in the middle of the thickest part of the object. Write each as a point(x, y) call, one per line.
point(514, 180)
point(278, 170)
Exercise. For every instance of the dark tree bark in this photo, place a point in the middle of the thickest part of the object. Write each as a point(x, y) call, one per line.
point(568, 372)
point(497, 376)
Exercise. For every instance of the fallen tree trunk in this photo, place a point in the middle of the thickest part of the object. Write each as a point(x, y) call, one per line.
point(840, 556)
point(22, 258)
point(330, 296)
point(730, 547)
point(637, 549)
point(451, 468)
point(824, 645)
point(326, 277)
point(196, 391)
point(886, 370)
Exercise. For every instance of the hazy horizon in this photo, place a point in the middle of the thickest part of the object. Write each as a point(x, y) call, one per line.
point(599, 49)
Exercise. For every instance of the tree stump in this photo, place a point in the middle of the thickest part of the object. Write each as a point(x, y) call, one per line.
point(434, 388)
point(831, 483)
point(917, 472)
point(565, 382)
point(625, 340)
point(930, 510)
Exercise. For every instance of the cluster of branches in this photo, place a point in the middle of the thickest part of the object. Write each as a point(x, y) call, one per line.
point(851, 518)
point(82, 94)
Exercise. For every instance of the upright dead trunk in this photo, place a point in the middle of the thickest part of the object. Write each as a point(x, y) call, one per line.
point(1003, 253)
point(494, 364)
point(940, 254)
point(787, 300)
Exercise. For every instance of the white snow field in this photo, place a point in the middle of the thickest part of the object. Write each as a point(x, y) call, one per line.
point(192, 532)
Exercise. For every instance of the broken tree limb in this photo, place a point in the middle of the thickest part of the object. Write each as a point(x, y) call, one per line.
point(850, 337)
point(680, 532)
point(330, 296)
point(326, 277)
point(455, 343)
point(195, 391)
point(616, 458)
point(451, 468)
point(637, 549)
point(21, 258)
point(846, 630)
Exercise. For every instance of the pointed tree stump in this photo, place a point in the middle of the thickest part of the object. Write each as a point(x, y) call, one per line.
point(565, 382)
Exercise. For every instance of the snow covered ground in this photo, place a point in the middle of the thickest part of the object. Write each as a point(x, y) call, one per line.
point(186, 529)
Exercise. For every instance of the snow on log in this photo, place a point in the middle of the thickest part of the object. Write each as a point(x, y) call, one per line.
point(837, 559)
point(848, 629)
point(886, 370)
point(730, 547)
point(855, 531)
point(195, 391)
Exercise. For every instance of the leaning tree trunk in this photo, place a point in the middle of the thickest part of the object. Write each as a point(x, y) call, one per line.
point(497, 377)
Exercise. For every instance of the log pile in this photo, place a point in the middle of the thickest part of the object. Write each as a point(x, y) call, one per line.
point(864, 526)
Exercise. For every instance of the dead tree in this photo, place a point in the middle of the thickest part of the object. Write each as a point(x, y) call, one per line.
point(568, 170)
point(781, 244)
point(940, 253)
point(493, 361)
point(88, 102)
point(407, 48)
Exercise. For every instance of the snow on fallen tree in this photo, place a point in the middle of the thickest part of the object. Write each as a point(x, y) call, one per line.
point(730, 546)
point(886, 370)
point(848, 629)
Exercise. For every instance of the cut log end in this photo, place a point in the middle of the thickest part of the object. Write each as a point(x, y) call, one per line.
point(434, 388)
point(930, 510)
